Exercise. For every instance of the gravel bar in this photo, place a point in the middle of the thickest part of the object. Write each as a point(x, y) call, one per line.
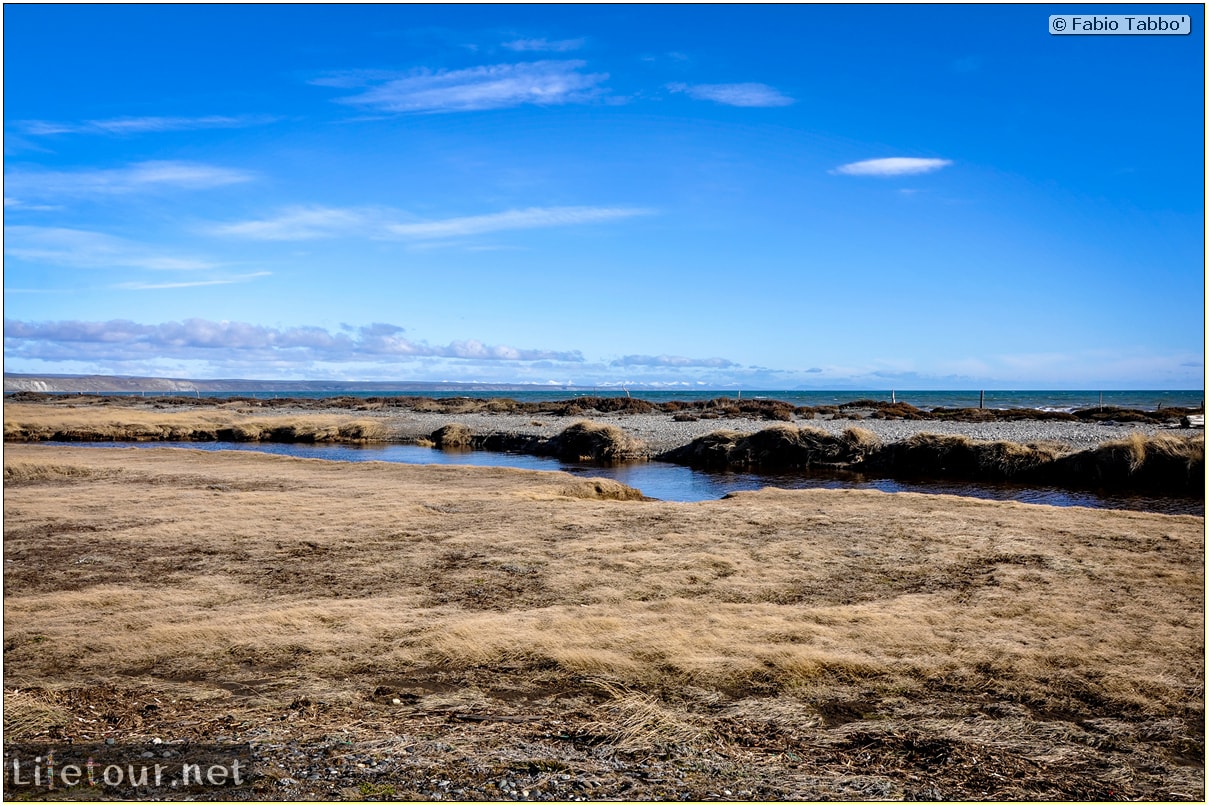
point(663, 433)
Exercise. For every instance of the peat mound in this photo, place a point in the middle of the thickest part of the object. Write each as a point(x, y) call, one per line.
point(781, 447)
point(1165, 464)
point(584, 441)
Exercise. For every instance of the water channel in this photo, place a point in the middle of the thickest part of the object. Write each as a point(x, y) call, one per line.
point(671, 482)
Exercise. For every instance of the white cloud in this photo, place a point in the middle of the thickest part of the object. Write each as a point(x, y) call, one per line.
point(44, 127)
point(134, 178)
point(239, 278)
point(84, 249)
point(892, 166)
point(17, 204)
point(748, 94)
point(671, 361)
point(303, 223)
point(558, 46)
point(139, 125)
point(529, 218)
point(543, 83)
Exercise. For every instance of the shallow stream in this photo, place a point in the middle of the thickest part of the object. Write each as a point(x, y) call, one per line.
point(671, 482)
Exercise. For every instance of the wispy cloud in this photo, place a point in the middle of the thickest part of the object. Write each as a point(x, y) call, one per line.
point(141, 125)
point(240, 278)
point(134, 178)
point(543, 83)
point(557, 46)
point(529, 218)
point(671, 361)
point(747, 94)
point(304, 223)
point(17, 204)
point(123, 340)
point(892, 166)
point(85, 249)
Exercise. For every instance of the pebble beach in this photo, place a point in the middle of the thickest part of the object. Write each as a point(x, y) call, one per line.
point(661, 432)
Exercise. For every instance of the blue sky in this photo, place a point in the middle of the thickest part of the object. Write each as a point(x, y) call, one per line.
point(773, 197)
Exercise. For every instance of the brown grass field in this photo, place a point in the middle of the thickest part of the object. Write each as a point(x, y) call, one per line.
point(37, 422)
point(480, 633)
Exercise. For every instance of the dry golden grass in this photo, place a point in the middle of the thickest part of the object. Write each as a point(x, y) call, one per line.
point(454, 435)
point(1140, 447)
point(591, 441)
point(19, 472)
point(27, 714)
point(32, 423)
point(213, 575)
point(638, 722)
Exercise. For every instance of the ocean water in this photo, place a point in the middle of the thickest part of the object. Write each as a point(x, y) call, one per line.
point(1053, 400)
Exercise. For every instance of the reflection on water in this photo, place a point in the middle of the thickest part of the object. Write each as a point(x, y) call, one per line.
point(676, 483)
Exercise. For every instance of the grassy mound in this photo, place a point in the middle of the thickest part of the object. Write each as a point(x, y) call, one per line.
point(24, 472)
point(454, 435)
point(781, 447)
point(954, 456)
point(587, 441)
point(1165, 463)
point(603, 490)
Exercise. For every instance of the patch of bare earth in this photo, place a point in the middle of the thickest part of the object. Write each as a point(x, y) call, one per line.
point(399, 632)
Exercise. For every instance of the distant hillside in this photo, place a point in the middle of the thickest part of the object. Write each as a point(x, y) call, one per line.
point(125, 383)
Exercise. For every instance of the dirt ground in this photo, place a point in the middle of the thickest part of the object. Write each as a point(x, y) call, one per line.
point(382, 632)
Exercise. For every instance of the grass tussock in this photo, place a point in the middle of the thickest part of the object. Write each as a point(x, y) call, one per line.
point(29, 714)
point(637, 722)
point(1163, 462)
point(26, 472)
point(596, 442)
point(862, 442)
point(603, 490)
point(454, 435)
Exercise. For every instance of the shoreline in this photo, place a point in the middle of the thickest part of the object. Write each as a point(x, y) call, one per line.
point(1158, 458)
point(411, 419)
point(1059, 400)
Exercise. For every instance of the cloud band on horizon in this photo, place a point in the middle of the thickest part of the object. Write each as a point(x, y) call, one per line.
point(118, 340)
